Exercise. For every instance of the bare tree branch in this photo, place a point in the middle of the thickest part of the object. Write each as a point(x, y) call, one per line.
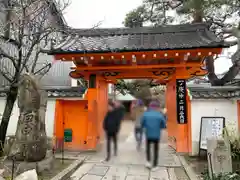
point(5, 73)
point(5, 55)
point(29, 26)
point(12, 41)
point(44, 69)
point(35, 61)
point(28, 29)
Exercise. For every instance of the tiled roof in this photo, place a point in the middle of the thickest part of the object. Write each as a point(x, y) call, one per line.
point(234, 82)
point(58, 75)
point(203, 91)
point(185, 36)
point(57, 92)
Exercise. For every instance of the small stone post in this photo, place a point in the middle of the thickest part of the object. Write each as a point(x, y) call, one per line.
point(219, 156)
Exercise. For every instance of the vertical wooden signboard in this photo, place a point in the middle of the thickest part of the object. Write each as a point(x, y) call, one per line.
point(181, 92)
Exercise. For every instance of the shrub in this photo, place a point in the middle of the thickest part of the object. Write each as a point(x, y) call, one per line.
point(234, 143)
point(227, 176)
point(235, 148)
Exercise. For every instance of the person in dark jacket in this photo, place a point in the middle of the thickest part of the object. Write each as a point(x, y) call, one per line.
point(111, 126)
point(119, 110)
point(153, 121)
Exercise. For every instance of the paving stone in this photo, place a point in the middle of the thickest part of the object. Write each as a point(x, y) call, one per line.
point(81, 171)
point(181, 174)
point(91, 177)
point(114, 177)
point(116, 173)
point(129, 155)
point(177, 161)
point(99, 170)
point(129, 164)
point(172, 175)
point(69, 155)
point(95, 158)
point(137, 177)
point(138, 170)
point(69, 170)
point(117, 170)
point(160, 173)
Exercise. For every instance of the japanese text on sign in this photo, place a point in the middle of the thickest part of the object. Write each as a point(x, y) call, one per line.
point(181, 101)
point(210, 127)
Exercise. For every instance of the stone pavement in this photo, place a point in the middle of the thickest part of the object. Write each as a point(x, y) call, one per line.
point(129, 165)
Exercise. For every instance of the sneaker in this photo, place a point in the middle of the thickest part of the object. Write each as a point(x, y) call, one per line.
point(155, 168)
point(148, 165)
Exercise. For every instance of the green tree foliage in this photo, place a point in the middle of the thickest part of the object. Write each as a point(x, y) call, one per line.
point(157, 12)
point(152, 11)
point(139, 88)
point(135, 18)
point(216, 12)
point(223, 16)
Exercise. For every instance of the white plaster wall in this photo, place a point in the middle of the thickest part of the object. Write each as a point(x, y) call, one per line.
point(14, 117)
point(73, 81)
point(50, 116)
point(50, 113)
point(110, 88)
point(200, 108)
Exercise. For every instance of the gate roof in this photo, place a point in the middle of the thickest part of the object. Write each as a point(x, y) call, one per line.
point(171, 37)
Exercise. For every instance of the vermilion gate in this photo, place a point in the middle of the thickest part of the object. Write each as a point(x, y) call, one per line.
point(166, 54)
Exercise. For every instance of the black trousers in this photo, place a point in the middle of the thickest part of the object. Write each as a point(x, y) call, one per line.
point(138, 136)
point(111, 137)
point(155, 143)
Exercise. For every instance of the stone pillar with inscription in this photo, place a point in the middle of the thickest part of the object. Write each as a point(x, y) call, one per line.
point(31, 142)
point(219, 156)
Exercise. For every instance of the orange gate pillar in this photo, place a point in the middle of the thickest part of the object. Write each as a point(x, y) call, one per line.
point(178, 133)
point(102, 104)
point(91, 136)
point(97, 107)
point(171, 113)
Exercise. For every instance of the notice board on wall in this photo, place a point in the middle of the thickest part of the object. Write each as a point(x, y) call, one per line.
point(210, 127)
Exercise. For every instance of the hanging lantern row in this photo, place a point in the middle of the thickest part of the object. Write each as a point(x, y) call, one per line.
point(134, 57)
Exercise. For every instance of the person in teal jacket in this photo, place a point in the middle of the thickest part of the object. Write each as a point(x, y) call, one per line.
point(153, 121)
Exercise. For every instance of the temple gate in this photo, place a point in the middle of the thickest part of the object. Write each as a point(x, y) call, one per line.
point(168, 54)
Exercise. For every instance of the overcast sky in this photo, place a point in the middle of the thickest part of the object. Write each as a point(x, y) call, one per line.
point(87, 13)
